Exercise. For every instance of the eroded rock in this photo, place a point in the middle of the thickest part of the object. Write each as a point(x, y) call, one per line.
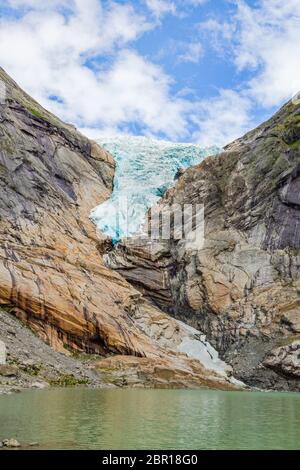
point(12, 443)
point(241, 287)
point(8, 371)
point(285, 359)
point(51, 272)
point(174, 372)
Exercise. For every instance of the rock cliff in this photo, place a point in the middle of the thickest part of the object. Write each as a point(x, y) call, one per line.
point(242, 286)
point(52, 274)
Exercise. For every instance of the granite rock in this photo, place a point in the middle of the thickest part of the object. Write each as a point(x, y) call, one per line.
point(241, 286)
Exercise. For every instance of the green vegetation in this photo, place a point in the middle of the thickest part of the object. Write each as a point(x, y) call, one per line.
point(295, 144)
point(290, 130)
point(66, 380)
point(32, 370)
point(293, 251)
point(288, 341)
point(81, 356)
point(35, 112)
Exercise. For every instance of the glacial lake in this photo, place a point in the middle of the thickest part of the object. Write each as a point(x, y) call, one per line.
point(152, 419)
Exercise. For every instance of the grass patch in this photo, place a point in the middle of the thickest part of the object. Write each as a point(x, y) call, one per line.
point(288, 341)
point(32, 370)
point(66, 380)
point(295, 144)
point(293, 251)
point(35, 112)
point(82, 356)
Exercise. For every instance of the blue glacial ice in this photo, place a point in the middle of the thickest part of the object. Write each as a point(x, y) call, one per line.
point(145, 169)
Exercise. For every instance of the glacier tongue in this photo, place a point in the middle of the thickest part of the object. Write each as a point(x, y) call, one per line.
point(145, 169)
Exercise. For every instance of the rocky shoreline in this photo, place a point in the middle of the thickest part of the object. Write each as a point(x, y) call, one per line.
point(32, 364)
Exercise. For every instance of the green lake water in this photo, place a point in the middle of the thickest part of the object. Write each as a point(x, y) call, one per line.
point(152, 419)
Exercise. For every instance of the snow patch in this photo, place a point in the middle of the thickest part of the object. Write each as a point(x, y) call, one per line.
point(194, 345)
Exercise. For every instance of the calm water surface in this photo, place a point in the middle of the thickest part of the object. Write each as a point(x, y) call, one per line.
point(152, 419)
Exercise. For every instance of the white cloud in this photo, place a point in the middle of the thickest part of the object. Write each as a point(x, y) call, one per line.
point(193, 52)
point(263, 40)
point(181, 51)
point(268, 41)
point(222, 119)
point(219, 33)
point(160, 8)
point(41, 4)
point(135, 90)
point(47, 53)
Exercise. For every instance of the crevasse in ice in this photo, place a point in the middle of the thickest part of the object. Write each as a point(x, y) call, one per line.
point(145, 169)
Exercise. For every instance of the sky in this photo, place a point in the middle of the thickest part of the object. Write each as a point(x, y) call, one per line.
point(200, 71)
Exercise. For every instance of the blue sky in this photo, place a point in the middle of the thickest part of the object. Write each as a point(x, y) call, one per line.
point(202, 71)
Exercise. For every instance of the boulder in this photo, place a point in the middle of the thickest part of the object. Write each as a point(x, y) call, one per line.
point(8, 371)
point(285, 359)
point(172, 372)
point(13, 443)
point(40, 385)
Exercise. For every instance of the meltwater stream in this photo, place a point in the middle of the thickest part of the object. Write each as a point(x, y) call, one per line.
point(145, 169)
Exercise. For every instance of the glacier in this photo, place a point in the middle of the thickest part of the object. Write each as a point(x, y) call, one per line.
point(145, 169)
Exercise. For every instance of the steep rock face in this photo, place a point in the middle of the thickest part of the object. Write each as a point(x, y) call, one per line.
point(242, 286)
point(52, 274)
